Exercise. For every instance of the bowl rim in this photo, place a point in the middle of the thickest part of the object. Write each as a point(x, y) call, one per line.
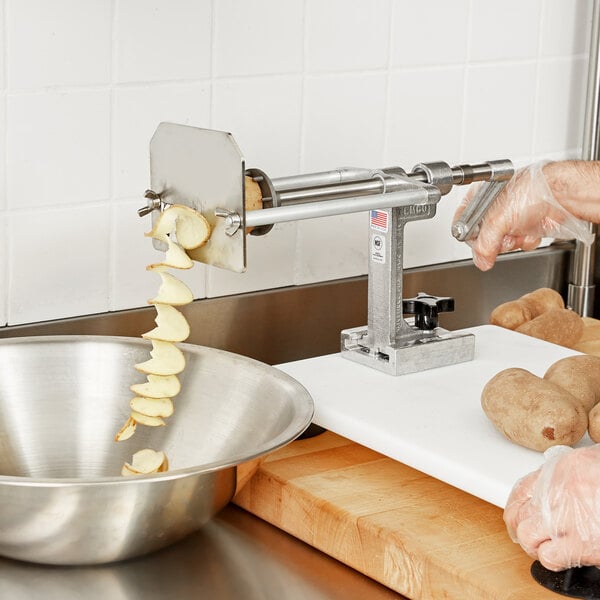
point(299, 423)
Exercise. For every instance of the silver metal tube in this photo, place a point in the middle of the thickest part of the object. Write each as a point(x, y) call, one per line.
point(327, 208)
point(310, 188)
point(332, 177)
point(581, 287)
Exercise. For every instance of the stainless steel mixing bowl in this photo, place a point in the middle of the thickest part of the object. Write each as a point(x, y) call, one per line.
point(63, 398)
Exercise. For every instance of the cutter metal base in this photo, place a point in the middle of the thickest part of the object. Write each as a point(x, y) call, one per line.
point(439, 349)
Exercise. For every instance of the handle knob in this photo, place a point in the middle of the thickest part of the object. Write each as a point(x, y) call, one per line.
point(426, 309)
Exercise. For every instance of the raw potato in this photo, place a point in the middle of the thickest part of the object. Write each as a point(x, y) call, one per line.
point(153, 402)
point(167, 359)
point(152, 407)
point(126, 431)
point(171, 325)
point(515, 313)
point(533, 412)
point(172, 291)
point(594, 424)
point(146, 420)
point(558, 325)
point(511, 315)
point(191, 228)
point(580, 376)
point(146, 461)
point(158, 386)
point(175, 257)
point(252, 197)
point(542, 300)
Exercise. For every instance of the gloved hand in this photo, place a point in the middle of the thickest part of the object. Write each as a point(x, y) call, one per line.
point(554, 512)
point(523, 213)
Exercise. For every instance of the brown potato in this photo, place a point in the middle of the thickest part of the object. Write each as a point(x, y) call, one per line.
point(511, 315)
point(594, 424)
point(515, 313)
point(531, 411)
point(580, 376)
point(542, 300)
point(252, 197)
point(558, 325)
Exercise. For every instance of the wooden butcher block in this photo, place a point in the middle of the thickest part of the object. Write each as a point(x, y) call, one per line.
point(419, 536)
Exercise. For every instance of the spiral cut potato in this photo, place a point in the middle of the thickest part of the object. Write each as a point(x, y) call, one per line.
point(540, 412)
point(153, 400)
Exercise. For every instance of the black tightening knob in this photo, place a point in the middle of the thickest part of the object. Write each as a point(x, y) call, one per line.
point(426, 309)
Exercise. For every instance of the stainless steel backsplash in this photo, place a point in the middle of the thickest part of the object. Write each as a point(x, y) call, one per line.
point(286, 324)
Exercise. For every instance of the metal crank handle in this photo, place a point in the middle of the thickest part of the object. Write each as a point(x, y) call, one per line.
point(468, 224)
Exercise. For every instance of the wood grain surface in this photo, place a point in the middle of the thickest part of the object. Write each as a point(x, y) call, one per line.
point(418, 536)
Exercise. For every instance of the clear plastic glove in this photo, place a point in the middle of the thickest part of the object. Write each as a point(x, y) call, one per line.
point(554, 512)
point(524, 212)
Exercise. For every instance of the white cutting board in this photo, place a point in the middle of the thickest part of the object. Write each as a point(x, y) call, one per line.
point(432, 420)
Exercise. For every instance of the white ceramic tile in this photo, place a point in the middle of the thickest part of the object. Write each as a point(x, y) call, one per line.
point(561, 105)
point(429, 33)
point(163, 40)
point(270, 264)
point(62, 42)
point(254, 38)
point(57, 148)
point(346, 35)
point(131, 284)
point(504, 30)
point(263, 114)
point(3, 270)
point(566, 27)
point(2, 152)
point(137, 113)
point(344, 121)
point(499, 112)
point(331, 248)
point(59, 263)
point(425, 121)
point(3, 83)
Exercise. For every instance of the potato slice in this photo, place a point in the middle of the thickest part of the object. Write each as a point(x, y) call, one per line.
point(126, 470)
point(126, 431)
point(146, 420)
point(144, 462)
point(172, 291)
point(172, 326)
point(167, 359)
point(158, 386)
point(152, 407)
point(191, 228)
point(175, 257)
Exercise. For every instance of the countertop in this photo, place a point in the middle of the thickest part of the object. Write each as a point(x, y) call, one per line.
point(235, 557)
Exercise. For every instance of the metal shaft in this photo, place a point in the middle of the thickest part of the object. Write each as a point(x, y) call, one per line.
point(581, 287)
point(329, 185)
point(407, 196)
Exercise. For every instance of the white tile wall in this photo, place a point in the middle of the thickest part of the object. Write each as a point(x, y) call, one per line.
point(161, 40)
point(57, 146)
point(303, 85)
point(59, 262)
point(412, 24)
point(559, 111)
point(3, 269)
point(58, 43)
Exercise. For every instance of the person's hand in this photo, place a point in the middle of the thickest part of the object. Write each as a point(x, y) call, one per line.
point(554, 512)
point(523, 213)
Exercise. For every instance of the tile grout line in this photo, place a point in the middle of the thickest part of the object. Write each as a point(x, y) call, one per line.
point(112, 234)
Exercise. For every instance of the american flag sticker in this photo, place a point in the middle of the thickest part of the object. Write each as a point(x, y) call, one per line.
point(379, 220)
